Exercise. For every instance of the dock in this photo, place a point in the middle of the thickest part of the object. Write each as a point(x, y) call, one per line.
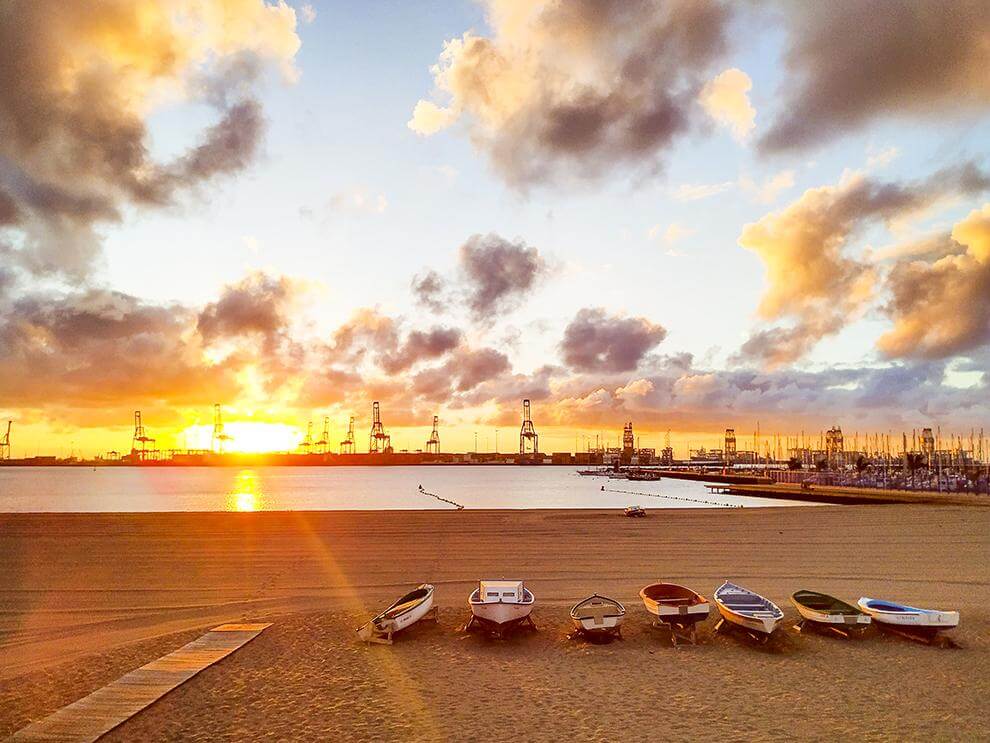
point(841, 495)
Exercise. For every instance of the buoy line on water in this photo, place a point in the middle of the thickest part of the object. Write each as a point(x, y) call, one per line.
point(438, 497)
point(678, 497)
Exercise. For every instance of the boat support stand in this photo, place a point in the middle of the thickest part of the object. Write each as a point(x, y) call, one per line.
point(934, 639)
point(681, 633)
point(385, 638)
point(725, 627)
point(497, 630)
point(845, 632)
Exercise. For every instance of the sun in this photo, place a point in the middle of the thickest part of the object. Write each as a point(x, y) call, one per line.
point(249, 437)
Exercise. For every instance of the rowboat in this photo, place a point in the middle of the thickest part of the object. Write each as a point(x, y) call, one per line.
point(828, 611)
point(746, 609)
point(498, 605)
point(676, 606)
point(402, 613)
point(671, 602)
point(598, 616)
point(888, 612)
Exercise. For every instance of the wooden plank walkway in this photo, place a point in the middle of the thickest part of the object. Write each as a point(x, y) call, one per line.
point(97, 714)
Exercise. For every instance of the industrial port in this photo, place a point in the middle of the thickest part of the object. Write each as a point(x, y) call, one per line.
point(921, 460)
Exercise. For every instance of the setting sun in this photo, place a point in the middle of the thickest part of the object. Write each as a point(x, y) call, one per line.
point(247, 436)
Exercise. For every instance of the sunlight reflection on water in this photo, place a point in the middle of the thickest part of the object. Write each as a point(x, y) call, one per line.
point(246, 494)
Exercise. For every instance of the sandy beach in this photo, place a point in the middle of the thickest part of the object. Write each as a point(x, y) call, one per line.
point(85, 598)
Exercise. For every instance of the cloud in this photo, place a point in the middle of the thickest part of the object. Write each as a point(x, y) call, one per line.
point(466, 370)
point(696, 192)
point(420, 346)
point(851, 62)
point(576, 89)
point(942, 308)
point(308, 13)
point(428, 289)
point(636, 389)
point(597, 341)
point(98, 348)
point(726, 99)
point(429, 118)
point(78, 82)
point(767, 192)
point(358, 200)
point(497, 272)
point(256, 306)
point(812, 279)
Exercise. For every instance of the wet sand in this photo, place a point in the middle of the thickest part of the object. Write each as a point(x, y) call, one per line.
point(85, 598)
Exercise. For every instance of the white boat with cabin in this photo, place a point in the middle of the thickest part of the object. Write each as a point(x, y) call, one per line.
point(500, 604)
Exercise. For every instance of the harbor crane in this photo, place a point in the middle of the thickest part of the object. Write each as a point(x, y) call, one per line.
point(140, 439)
point(220, 438)
point(307, 443)
point(347, 445)
point(433, 445)
point(5, 443)
point(528, 439)
point(379, 442)
point(324, 442)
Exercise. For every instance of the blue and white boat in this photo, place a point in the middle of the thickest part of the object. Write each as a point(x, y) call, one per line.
point(889, 612)
point(747, 609)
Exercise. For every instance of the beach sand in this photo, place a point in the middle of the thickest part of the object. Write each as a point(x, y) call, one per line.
point(85, 598)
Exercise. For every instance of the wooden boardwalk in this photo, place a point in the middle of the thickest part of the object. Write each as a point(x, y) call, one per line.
point(97, 714)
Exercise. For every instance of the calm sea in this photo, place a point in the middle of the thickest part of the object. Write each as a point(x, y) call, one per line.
point(126, 489)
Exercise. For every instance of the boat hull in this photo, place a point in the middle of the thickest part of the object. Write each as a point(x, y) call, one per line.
point(747, 609)
point(408, 618)
point(831, 611)
point(766, 625)
point(676, 604)
point(597, 615)
point(400, 615)
point(608, 625)
point(908, 616)
point(501, 614)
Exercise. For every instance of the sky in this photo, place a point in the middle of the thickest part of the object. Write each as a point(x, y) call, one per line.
point(688, 215)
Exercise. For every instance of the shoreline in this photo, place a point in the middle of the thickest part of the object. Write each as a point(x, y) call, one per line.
point(88, 596)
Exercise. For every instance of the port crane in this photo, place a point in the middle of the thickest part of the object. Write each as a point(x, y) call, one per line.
point(5, 443)
point(140, 439)
point(220, 438)
point(379, 442)
point(347, 445)
point(527, 433)
point(433, 444)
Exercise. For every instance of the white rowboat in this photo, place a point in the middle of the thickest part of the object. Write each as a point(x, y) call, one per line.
point(888, 612)
point(402, 613)
point(598, 615)
point(747, 609)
